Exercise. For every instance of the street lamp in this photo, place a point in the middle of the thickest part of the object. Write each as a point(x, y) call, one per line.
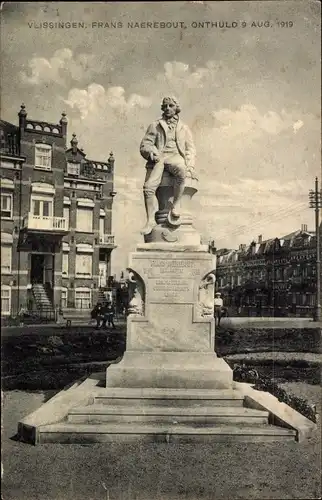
point(315, 198)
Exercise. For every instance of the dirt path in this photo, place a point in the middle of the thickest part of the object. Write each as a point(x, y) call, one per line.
point(278, 356)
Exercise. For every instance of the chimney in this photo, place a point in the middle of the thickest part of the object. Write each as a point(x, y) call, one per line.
point(260, 239)
point(63, 123)
point(242, 247)
point(304, 227)
point(22, 118)
point(74, 144)
point(110, 162)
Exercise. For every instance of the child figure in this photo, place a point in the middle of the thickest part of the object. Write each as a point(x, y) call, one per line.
point(109, 314)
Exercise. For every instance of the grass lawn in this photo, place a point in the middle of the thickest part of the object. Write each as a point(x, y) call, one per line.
point(157, 471)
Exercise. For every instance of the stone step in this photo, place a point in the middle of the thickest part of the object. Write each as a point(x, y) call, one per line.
point(99, 414)
point(66, 432)
point(170, 397)
point(168, 402)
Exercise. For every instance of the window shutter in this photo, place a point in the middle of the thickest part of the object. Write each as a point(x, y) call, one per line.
point(84, 220)
point(6, 252)
point(66, 216)
point(65, 264)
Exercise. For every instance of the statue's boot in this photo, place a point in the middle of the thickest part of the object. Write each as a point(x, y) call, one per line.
point(150, 211)
point(178, 190)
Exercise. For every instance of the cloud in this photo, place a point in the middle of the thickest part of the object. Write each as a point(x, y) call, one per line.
point(95, 99)
point(62, 67)
point(179, 78)
point(248, 120)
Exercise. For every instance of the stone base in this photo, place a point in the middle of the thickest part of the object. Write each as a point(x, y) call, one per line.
point(183, 234)
point(89, 413)
point(175, 370)
point(175, 247)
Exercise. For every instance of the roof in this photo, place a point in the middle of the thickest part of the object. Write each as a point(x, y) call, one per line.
point(4, 123)
point(70, 150)
point(299, 232)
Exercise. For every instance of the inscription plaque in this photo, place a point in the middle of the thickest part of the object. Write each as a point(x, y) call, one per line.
point(171, 290)
point(171, 268)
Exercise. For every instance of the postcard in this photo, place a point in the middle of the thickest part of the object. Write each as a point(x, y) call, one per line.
point(161, 249)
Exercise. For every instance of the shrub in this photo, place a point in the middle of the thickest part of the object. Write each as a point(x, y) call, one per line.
point(244, 374)
point(55, 341)
point(261, 383)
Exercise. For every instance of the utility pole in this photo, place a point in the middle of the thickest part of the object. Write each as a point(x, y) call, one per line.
point(315, 197)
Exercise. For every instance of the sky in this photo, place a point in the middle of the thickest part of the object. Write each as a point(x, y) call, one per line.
point(250, 94)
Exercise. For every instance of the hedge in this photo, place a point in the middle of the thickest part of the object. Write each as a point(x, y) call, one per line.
point(242, 340)
point(262, 383)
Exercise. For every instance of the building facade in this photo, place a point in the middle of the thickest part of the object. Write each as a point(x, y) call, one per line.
point(276, 277)
point(56, 219)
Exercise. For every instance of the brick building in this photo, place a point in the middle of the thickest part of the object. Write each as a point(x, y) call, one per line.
point(56, 219)
point(273, 277)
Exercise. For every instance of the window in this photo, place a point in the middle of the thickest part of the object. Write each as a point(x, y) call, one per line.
point(84, 265)
point(85, 187)
point(6, 206)
point(101, 229)
point(66, 216)
point(65, 264)
point(43, 156)
point(5, 300)
point(42, 206)
point(311, 300)
point(6, 257)
point(84, 220)
point(73, 168)
point(63, 298)
point(83, 299)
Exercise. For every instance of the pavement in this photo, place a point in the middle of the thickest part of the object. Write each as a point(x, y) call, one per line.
point(268, 322)
point(47, 328)
point(232, 322)
point(159, 471)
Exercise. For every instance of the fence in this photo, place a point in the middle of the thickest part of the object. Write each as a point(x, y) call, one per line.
point(30, 315)
point(277, 312)
point(76, 304)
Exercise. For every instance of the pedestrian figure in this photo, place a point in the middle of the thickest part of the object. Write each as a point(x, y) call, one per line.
point(218, 303)
point(109, 311)
point(98, 314)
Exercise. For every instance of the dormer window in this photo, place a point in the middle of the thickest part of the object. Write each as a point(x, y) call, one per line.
point(73, 168)
point(43, 154)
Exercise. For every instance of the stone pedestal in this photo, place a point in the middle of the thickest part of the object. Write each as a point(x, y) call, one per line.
point(180, 232)
point(170, 328)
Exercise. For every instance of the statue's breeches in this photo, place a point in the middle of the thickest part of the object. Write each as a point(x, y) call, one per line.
point(174, 164)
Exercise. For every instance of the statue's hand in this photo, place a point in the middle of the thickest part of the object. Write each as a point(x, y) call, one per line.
point(190, 171)
point(154, 157)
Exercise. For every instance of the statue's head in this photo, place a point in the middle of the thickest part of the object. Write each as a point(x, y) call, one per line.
point(170, 107)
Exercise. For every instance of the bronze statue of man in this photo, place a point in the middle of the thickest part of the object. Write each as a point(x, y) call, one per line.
point(167, 145)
